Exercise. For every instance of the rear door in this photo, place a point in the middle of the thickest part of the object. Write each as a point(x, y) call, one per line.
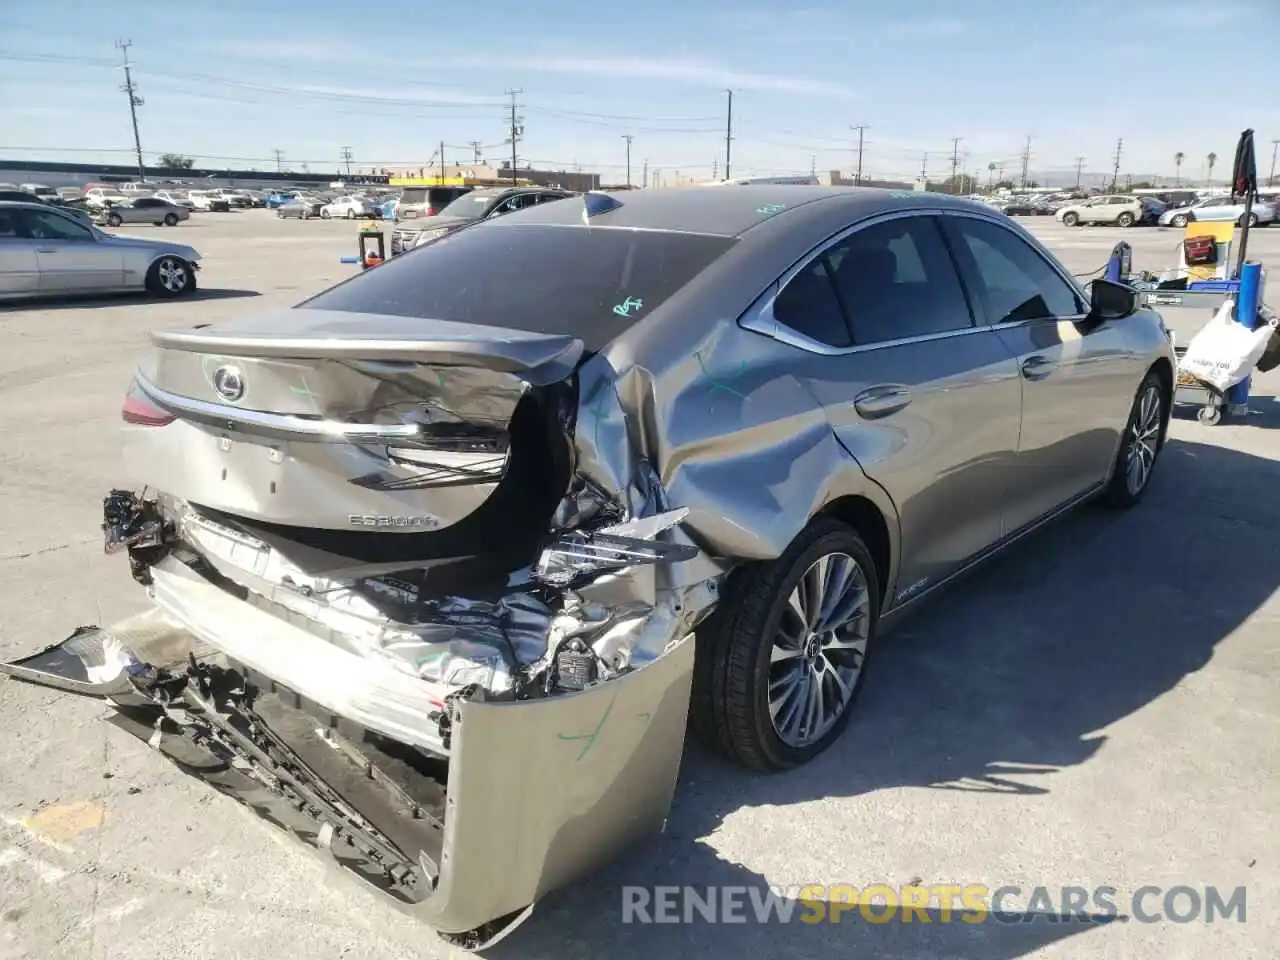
point(70, 256)
point(925, 399)
point(1078, 379)
point(19, 272)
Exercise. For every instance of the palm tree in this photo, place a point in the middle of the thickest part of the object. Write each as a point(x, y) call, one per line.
point(1212, 158)
point(1177, 162)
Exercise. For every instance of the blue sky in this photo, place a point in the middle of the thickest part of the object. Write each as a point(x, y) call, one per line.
point(232, 82)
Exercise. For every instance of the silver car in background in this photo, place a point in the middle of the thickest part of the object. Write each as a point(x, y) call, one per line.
point(1218, 210)
point(46, 252)
point(444, 556)
point(153, 210)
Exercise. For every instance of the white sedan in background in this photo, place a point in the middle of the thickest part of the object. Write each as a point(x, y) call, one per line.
point(1218, 210)
point(350, 207)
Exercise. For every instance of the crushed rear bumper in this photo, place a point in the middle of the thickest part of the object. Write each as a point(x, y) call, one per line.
point(534, 794)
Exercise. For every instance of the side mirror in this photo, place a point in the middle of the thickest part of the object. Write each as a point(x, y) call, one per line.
point(1111, 301)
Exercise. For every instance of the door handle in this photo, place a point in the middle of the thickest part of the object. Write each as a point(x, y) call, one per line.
point(1037, 368)
point(46, 249)
point(876, 402)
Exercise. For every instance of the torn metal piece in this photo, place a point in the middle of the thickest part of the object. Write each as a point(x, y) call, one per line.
point(576, 554)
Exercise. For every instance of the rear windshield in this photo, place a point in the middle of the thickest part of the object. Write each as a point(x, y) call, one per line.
point(590, 283)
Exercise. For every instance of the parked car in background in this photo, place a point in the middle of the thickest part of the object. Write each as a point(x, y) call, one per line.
point(1122, 211)
point(104, 196)
point(416, 202)
point(40, 190)
point(45, 251)
point(255, 198)
point(176, 197)
point(301, 206)
point(152, 210)
point(209, 200)
point(471, 207)
point(1218, 210)
point(350, 207)
point(280, 196)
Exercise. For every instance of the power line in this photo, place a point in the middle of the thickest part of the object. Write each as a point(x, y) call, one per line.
point(279, 160)
point(135, 101)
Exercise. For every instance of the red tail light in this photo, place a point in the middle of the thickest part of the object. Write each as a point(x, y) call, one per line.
point(141, 412)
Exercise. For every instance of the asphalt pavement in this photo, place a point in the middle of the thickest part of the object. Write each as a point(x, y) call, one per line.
point(1099, 707)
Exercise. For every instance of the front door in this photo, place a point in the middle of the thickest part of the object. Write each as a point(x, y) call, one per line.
point(1071, 372)
point(923, 398)
point(70, 256)
point(18, 270)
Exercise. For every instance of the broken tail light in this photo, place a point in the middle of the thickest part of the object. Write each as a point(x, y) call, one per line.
point(141, 411)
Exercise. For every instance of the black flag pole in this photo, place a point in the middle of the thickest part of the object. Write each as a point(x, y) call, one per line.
point(1244, 183)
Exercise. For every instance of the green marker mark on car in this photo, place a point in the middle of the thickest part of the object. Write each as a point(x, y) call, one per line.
point(721, 384)
point(769, 209)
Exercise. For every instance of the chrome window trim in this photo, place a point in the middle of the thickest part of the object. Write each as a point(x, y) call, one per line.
point(1034, 244)
point(759, 317)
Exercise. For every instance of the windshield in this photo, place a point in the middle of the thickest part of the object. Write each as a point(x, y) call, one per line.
point(568, 280)
point(470, 205)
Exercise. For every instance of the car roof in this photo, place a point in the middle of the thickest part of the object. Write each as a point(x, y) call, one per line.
point(731, 210)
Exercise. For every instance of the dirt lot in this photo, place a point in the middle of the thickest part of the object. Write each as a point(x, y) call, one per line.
point(1101, 707)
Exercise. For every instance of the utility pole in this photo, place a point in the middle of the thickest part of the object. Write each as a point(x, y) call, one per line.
point(1271, 180)
point(857, 177)
point(475, 151)
point(517, 131)
point(1079, 167)
point(1115, 171)
point(955, 163)
point(715, 168)
point(135, 101)
point(279, 160)
point(346, 158)
point(442, 161)
point(1026, 162)
point(644, 176)
point(628, 137)
point(813, 165)
point(924, 168)
point(728, 134)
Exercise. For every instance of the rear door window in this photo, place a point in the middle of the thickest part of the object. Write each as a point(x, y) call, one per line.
point(590, 283)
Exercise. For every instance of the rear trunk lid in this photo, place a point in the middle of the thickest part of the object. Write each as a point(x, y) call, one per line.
point(379, 438)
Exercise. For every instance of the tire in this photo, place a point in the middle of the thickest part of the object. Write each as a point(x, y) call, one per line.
point(1181, 220)
point(171, 220)
point(351, 214)
point(1125, 219)
point(1146, 426)
point(171, 277)
point(1070, 220)
point(279, 215)
point(1253, 220)
point(734, 672)
point(325, 215)
point(113, 220)
point(1209, 415)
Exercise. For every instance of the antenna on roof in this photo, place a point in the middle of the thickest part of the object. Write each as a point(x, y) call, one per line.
point(594, 204)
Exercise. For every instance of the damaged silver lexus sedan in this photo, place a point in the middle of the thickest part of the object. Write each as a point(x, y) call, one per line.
point(443, 558)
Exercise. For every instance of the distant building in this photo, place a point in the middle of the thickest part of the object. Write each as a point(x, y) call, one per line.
point(564, 179)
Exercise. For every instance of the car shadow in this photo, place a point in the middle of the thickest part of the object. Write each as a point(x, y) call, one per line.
point(1002, 682)
point(140, 299)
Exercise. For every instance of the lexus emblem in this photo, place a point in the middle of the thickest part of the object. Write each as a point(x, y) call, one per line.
point(229, 382)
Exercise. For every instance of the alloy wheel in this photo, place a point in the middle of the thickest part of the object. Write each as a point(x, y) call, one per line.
point(1144, 440)
point(173, 274)
point(818, 652)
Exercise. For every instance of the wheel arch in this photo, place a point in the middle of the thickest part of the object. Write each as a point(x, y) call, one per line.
point(868, 519)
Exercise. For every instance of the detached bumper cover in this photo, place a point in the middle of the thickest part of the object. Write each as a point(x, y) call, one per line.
point(537, 794)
